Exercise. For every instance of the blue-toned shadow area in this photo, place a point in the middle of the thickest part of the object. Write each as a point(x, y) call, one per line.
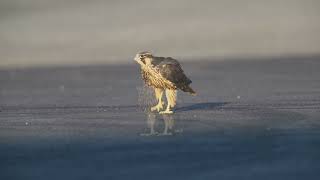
point(202, 106)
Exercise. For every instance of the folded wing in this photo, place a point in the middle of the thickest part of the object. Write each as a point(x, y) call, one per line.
point(171, 70)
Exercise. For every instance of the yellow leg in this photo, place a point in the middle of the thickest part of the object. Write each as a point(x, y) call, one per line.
point(159, 106)
point(172, 101)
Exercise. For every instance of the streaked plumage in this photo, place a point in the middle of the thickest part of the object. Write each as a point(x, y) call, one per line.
point(163, 73)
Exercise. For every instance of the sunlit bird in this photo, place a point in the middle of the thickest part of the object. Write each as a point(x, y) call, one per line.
point(164, 74)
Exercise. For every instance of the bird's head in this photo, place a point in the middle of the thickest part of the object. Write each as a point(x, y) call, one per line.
point(144, 58)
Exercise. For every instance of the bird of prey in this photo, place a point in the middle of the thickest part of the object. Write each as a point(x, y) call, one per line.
point(164, 74)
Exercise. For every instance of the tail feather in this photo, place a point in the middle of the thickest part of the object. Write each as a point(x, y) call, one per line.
point(189, 90)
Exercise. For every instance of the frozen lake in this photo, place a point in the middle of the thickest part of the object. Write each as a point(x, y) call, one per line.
point(250, 120)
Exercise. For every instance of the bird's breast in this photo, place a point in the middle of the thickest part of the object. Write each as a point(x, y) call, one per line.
point(156, 80)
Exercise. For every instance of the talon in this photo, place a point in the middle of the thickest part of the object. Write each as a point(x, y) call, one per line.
point(166, 112)
point(158, 107)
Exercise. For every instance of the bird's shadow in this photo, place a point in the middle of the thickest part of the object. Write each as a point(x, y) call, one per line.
point(202, 106)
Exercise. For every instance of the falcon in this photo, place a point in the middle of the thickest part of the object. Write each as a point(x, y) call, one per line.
point(165, 75)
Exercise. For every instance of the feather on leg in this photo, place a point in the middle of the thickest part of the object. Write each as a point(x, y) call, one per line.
point(158, 93)
point(172, 101)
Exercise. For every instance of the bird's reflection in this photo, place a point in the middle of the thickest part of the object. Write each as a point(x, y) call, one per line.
point(155, 127)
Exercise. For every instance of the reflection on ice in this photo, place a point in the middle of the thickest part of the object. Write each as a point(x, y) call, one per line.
point(160, 125)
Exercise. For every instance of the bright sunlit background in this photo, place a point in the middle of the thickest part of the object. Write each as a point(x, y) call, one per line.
point(75, 32)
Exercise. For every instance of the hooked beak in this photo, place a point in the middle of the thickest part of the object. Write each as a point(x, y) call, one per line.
point(137, 59)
